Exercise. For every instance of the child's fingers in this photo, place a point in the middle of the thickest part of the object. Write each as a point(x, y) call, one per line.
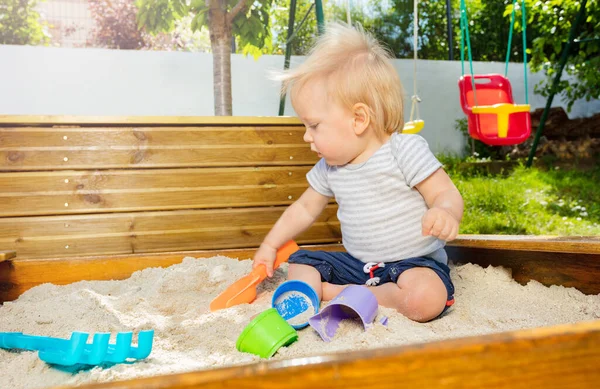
point(446, 232)
point(266, 265)
point(438, 227)
point(454, 232)
point(269, 266)
point(427, 223)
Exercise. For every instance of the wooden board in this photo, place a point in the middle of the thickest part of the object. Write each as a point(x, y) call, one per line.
point(104, 137)
point(35, 160)
point(76, 192)
point(539, 243)
point(146, 120)
point(562, 357)
point(143, 232)
point(39, 148)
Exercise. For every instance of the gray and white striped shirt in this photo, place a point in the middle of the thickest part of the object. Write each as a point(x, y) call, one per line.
point(380, 211)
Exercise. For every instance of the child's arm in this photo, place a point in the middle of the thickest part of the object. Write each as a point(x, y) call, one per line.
point(296, 218)
point(445, 206)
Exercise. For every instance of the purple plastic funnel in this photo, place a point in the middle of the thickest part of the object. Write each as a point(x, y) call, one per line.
point(354, 301)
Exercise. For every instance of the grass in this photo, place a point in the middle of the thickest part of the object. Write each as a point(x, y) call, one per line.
point(528, 201)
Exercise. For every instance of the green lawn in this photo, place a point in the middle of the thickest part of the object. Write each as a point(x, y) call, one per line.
point(529, 201)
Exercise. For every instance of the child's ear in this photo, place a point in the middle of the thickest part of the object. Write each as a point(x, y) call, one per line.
point(362, 118)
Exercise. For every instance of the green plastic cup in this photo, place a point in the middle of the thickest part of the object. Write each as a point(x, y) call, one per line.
point(266, 334)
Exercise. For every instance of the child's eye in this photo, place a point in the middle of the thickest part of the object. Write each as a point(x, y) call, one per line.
point(313, 126)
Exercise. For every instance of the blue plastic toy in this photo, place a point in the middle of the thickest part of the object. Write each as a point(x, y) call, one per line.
point(296, 301)
point(76, 350)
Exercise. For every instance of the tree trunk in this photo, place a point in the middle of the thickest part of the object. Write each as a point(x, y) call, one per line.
point(220, 42)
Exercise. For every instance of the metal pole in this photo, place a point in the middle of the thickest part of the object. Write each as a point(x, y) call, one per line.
point(288, 50)
point(553, 90)
point(320, 17)
point(449, 21)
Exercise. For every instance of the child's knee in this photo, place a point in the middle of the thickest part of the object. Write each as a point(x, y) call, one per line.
point(422, 306)
point(424, 294)
point(306, 273)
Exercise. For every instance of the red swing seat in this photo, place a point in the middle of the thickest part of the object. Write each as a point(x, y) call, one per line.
point(496, 120)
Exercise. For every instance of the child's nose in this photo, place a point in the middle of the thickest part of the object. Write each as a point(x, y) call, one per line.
point(307, 137)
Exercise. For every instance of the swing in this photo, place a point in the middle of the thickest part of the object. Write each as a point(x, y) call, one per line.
point(415, 125)
point(486, 99)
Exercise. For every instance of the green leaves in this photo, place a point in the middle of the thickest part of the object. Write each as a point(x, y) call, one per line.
point(252, 28)
point(179, 7)
point(160, 15)
point(20, 23)
point(551, 21)
point(199, 20)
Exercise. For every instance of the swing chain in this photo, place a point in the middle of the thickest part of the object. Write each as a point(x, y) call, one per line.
point(415, 97)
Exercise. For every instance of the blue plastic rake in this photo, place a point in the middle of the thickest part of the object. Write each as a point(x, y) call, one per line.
point(76, 350)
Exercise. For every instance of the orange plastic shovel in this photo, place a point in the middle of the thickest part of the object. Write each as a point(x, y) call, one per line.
point(244, 290)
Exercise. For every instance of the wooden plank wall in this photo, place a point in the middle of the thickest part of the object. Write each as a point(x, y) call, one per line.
point(121, 186)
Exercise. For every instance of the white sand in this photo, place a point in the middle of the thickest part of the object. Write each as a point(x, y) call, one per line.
point(174, 302)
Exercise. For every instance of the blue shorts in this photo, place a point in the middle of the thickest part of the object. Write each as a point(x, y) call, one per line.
point(341, 268)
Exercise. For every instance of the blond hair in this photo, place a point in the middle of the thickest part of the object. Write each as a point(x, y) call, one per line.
point(358, 69)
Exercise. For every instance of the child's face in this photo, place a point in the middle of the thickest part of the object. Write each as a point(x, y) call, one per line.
point(329, 127)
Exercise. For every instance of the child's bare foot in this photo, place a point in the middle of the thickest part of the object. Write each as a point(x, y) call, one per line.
point(330, 291)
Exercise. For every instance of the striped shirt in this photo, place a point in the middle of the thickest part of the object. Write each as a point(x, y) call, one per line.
point(380, 210)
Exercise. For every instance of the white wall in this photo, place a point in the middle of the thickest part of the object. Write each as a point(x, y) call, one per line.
point(62, 81)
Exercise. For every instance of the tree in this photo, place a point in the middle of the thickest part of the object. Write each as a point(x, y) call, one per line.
point(249, 21)
point(548, 25)
point(551, 21)
point(20, 25)
point(392, 23)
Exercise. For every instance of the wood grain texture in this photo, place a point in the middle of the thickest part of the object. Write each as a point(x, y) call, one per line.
point(557, 244)
point(43, 148)
point(142, 232)
point(563, 357)
point(148, 120)
point(165, 157)
point(16, 138)
point(77, 192)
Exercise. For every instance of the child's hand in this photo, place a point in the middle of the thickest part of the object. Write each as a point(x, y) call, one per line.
point(265, 255)
point(440, 223)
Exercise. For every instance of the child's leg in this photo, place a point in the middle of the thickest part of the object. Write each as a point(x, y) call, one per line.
point(311, 276)
point(337, 269)
point(419, 294)
point(330, 291)
point(308, 274)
